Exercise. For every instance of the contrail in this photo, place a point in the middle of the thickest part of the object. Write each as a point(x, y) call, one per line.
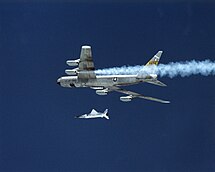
point(171, 70)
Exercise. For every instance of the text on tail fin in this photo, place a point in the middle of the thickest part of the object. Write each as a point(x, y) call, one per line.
point(155, 59)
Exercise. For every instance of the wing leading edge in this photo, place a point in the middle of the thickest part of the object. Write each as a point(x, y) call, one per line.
point(136, 95)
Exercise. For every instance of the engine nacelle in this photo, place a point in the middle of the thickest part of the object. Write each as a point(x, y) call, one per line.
point(97, 88)
point(126, 98)
point(102, 92)
point(73, 62)
point(71, 71)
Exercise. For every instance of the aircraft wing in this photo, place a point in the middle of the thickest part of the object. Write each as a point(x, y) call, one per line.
point(86, 66)
point(93, 112)
point(136, 95)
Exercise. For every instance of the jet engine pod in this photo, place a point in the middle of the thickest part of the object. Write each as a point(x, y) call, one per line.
point(97, 88)
point(126, 98)
point(102, 92)
point(73, 62)
point(71, 71)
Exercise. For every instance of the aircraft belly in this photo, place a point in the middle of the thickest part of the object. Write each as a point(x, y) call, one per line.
point(94, 116)
point(108, 82)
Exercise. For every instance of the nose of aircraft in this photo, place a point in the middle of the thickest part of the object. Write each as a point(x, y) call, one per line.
point(58, 81)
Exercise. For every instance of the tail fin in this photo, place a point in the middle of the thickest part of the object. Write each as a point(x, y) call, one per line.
point(155, 60)
point(106, 111)
point(153, 77)
point(106, 114)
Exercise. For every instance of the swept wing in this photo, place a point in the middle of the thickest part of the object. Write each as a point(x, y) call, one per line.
point(135, 95)
point(86, 66)
point(93, 112)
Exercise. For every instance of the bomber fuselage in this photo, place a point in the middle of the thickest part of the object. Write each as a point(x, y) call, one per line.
point(100, 81)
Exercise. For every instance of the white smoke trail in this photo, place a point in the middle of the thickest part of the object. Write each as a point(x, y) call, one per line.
point(171, 70)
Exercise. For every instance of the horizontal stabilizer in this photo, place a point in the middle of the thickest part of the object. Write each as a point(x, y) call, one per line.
point(155, 82)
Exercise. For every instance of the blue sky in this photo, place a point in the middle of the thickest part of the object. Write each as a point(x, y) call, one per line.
point(38, 131)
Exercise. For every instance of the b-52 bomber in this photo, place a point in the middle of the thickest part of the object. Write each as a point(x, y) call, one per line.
point(85, 76)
